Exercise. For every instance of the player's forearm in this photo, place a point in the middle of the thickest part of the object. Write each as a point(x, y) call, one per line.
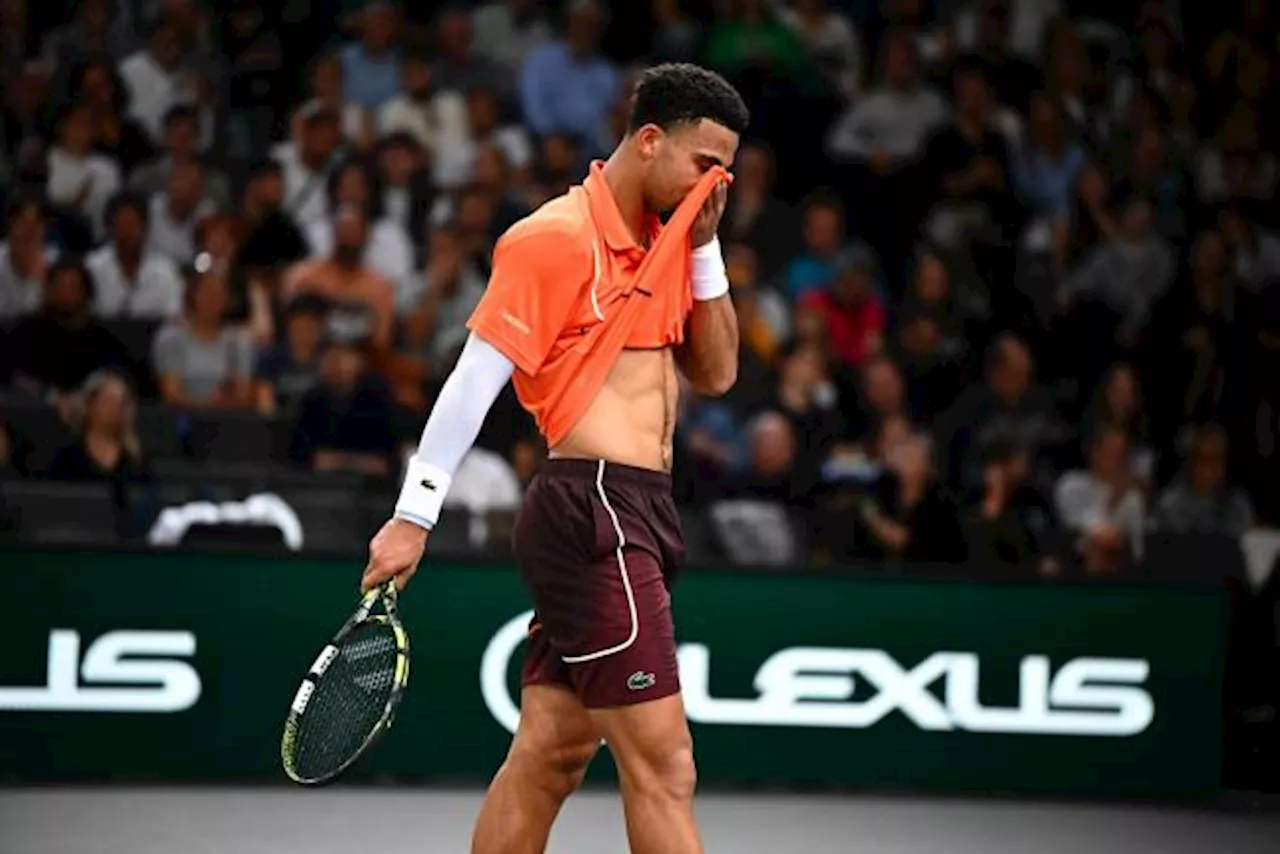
point(710, 357)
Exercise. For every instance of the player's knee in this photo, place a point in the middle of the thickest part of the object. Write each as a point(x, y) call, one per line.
point(558, 771)
point(670, 774)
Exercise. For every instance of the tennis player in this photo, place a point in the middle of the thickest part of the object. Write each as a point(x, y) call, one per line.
point(592, 306)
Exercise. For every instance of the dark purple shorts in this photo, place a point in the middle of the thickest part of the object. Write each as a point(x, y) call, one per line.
point(599, 545)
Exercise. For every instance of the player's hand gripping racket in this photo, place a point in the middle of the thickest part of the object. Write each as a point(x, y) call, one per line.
point(350, 696)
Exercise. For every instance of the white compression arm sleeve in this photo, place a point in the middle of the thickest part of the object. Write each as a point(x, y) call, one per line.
point(455, 421)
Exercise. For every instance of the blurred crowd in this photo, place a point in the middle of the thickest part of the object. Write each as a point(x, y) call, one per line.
point(1005, 270)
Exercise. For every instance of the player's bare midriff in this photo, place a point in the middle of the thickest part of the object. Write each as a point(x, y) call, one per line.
point(632, 419)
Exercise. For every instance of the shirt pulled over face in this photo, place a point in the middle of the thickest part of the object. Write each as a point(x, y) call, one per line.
point(571, 289)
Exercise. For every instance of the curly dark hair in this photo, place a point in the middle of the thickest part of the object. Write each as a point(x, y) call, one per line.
point(678, 92)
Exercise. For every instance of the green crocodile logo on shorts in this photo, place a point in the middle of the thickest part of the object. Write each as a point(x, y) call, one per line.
point(640, 680)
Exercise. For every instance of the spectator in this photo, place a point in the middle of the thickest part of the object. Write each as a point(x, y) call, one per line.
point(408, 194)
point(1233, 165)
point(487, 489)
point(448, 291)
point(763, 317)
point(90, 33)
point(116, 135)
point(1008, 407)
point(458, 67)
point(750, 41)
point(176, 212)
point(1022, 24)
point(1158, 64)
point(1254, 253)
point(435, 117)
point(1045, 173)
point(887, 130)
point(329, 92)
point(474, 221)
point(493, 181)
point(1201, 502)
point(306, 165)
point(676, 36)
point(129, 279)
point(932, 362)
point(156, 79)
point(968, 166)
point(775, 471)
point(362, 301)
point(557, 169)
point(487, 128)
point(833, 44)
point(1147, 171)
point(202, 362)
point(709, 440)
point(25, 119)
point(507, 31)
point(218, 241)
point(56, 348)
point(917, 521)
point(291, 368)
point(1190, 341)
point(344, 423)
point(1010, 523)
point(931, 289)
point(881, 397)
point(808, 397)
point(882, 137)
point(1103, 504)
point(823, 235)
point(567, 86)
point(258, 73)
point(1068, 75)
point(456, 156)
point(854, 314)
point(107, 447)
point(354, 184)
point(755, 215)
point(181, 145)
point(25, 257)
point(1118, 402)
point(1128, 273)
point(80, 181)
point(272, 240)
point(755, 523)
point(371, 66)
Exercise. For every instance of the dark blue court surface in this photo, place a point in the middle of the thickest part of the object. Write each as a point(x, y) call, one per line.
point(428, 821)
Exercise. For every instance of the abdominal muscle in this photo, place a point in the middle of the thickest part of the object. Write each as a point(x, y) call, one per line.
point(632, 419)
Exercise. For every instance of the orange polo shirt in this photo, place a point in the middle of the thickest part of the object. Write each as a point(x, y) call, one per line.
point(560, 275)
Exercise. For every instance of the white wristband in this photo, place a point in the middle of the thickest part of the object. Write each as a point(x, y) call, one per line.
point(423, 492)
point(709, 279)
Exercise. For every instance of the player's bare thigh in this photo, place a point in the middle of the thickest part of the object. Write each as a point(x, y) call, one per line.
point(556, 736)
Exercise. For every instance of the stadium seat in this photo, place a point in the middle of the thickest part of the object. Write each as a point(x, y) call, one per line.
point(157, 427)
point(230, 437)
point(55, 513)
point(38, 425)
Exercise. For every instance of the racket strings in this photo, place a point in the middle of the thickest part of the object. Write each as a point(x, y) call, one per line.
point(348, 701)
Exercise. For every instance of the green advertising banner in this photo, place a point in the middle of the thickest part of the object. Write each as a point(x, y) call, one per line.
point(181, 667)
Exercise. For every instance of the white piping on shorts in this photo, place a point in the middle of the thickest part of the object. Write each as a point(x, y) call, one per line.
point(595, 284)
point(626, 582)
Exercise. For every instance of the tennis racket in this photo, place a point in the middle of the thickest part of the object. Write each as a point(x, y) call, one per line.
point(349, 697)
